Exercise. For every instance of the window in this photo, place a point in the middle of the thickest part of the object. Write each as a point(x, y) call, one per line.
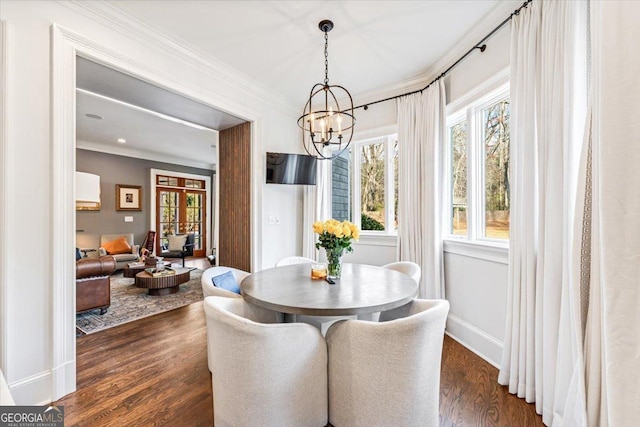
point(180, 204)
point(478, 168)
point(364, 185)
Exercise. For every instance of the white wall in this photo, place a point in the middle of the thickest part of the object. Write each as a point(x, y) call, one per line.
point(479, 67)
point(373, 250)
point(377, 116)
point(477, 291)
point(29, 327)
point(477, 288)
point(281, 228)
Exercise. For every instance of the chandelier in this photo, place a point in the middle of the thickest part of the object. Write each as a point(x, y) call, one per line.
point(327, 128)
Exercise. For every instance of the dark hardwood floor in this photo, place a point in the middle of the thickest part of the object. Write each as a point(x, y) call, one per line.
point(154, 372)
point(471, 396)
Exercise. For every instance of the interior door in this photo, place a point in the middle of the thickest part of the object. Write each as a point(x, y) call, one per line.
point(180, 204)
point(194, 203)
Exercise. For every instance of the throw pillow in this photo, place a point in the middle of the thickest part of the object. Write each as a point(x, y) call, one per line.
point(117, 246)
point(78, 254)
point(226, 281)
point(176, 243)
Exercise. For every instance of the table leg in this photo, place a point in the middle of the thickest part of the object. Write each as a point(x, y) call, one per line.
point(289, 318)
point(366, 316)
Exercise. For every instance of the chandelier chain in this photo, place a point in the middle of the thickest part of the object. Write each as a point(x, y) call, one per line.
point(326, 58)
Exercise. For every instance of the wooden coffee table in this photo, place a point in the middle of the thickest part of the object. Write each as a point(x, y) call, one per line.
point(132, 271)
point(163, 285)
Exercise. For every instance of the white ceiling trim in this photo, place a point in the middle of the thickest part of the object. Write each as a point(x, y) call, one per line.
point(172, 46)
point(142, 154)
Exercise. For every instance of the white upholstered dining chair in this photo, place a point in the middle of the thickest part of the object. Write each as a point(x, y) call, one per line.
point(387, 374)
point(264, 374)
point(412, 270)
point(209, 290)
point(409, 268)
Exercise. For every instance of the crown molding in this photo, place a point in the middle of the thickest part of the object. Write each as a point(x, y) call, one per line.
point(142, 154)
point(499, 13)
point(176, 48)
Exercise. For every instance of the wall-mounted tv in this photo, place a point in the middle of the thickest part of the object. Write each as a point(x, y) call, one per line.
point(283, 168)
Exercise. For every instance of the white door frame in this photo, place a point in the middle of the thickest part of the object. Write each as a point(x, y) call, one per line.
point(66, 44)
point(3, 192)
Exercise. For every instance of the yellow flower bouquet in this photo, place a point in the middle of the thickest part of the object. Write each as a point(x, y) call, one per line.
point(335, 237)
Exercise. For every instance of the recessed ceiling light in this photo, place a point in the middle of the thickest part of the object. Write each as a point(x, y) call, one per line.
point(121, 140)
point(94, 116)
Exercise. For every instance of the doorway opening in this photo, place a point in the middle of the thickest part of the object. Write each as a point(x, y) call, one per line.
point(67, 46)
point(182, 207)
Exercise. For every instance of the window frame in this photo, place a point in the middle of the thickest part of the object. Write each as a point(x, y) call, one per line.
point(387, 138)
point(470, 108)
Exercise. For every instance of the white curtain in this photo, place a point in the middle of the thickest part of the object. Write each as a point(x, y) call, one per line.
point(612, 337)
point(316, 207)
point(542, 354)
point(421, 127)
point(308, 217)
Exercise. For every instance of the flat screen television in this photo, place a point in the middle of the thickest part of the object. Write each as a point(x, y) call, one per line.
point(283, 168)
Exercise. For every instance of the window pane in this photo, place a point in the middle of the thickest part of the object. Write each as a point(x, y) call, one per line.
point(372, 186)
point(167, 181)
point(192, 183)
point(496, 145)
point(458, 136)
point(341, 187)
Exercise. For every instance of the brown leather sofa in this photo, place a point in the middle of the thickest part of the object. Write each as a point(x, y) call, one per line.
point(93, 289)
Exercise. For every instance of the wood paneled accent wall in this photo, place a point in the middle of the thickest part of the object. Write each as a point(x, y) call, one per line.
point(234, 168)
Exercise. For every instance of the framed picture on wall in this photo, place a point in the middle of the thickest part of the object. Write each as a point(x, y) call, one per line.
point(128, 197)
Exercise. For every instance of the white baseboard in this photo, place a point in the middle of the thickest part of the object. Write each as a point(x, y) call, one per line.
point(476, 340)
point(64, 380)
point(33, 390)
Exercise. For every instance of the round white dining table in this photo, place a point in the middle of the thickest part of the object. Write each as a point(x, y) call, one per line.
point(362, 289)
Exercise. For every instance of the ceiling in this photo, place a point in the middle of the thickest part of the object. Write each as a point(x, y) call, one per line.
point(106, 81)
point(278, 43)
point(147, 134)
point(374, 44)
point(157, 124)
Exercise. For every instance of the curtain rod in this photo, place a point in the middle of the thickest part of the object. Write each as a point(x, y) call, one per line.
point(478, 45)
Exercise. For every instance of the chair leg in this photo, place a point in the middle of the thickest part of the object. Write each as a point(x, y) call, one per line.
point(183, 258)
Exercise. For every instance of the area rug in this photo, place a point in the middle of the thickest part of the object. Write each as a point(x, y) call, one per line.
point(129, 303)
